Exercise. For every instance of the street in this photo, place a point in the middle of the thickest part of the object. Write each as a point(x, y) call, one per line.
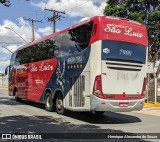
point(29, 117)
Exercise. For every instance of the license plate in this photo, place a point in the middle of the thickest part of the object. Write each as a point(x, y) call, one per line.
point(123, 104)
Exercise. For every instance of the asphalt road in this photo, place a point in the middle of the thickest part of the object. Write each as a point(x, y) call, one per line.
point(28, 117)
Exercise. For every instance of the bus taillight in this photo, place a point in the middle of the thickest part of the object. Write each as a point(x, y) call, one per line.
point(97, 89)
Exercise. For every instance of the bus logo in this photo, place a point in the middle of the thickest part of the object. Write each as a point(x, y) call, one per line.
point(106, 50)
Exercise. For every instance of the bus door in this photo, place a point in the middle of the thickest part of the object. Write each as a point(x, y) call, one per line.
point(22, 80)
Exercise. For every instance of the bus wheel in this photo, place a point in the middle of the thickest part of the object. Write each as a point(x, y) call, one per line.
point(49, 102)
point(17, 98)
point(59, 105)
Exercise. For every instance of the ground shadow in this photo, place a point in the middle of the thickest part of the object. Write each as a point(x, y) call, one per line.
point(50, 125)
point(106, 118)
point(8, 101)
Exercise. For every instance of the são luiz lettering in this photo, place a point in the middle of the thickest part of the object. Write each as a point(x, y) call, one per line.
point(118, 29)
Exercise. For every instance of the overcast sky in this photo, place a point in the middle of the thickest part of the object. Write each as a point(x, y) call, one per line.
point(12, 17)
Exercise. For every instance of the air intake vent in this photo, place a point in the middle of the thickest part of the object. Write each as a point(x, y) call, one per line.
point(125, 69)
point(79, 87)
point(119, 64)
point(124, 60)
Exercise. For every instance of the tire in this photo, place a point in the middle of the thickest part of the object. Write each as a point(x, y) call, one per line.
point(49, 106)
point(59, 105)
point(17, 99)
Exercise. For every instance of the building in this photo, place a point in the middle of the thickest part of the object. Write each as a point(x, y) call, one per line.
point(3, 80)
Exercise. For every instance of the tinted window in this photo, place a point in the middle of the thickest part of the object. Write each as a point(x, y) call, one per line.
point(45, 50)
point(75, 40)
point(68, 43)
point(22, 57)
point(13, 58)
point(81, 36)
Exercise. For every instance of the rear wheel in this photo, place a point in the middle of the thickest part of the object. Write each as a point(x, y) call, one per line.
point(49, 106)
point(59, 105)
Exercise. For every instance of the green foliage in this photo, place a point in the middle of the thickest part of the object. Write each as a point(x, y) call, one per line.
point(5, 2)
point(143, 11)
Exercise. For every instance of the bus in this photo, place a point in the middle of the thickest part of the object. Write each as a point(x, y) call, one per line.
point(97, 65)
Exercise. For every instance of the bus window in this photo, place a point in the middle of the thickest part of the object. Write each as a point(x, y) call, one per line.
point(81, 36)
point(67, 45)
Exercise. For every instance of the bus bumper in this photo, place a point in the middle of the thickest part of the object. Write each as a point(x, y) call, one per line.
point(98, 104)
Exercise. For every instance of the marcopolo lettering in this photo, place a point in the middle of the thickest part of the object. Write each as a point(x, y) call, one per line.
point(75, 60)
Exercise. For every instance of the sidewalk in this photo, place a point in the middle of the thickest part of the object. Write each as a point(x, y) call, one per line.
point(150, 110)
point(152, 104)
point(3, 87)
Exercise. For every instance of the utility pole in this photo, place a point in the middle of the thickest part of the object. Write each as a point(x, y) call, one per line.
point(32, 21)
point(56, 16)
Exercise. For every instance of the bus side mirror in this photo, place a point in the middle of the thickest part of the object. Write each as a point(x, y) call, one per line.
point(7, 70)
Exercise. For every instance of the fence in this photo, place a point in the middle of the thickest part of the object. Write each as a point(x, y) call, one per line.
point(153, 92)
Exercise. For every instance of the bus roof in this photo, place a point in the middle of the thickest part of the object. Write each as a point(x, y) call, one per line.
point(96, 18)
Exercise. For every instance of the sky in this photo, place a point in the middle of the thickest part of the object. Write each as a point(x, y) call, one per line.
point(20, 30)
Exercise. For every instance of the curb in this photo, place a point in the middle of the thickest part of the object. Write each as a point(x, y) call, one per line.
point(152, 104)
point(3, 88)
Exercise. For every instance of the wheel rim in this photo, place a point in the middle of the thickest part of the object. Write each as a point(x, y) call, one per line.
point(59, 105)
point(48, 101)
point(15, 94)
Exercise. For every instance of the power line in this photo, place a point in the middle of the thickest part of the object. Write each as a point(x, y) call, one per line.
point(10, 42)
point(76, 7)
point(56, 16)
point(14, 37)
point(16, 33)
point(32, 20)
point(7, 49)
point(53, 4)
point(4, 60)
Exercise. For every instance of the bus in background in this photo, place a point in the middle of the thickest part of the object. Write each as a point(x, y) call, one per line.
point(97, 65)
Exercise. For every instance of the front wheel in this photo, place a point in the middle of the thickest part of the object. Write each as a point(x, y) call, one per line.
point(59, 105)
point(16, 97)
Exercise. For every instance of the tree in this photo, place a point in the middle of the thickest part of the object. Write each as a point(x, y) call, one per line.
point(143, 11)
point(6, 3)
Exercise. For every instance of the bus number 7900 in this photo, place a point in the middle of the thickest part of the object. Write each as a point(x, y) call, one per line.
point(125, 52)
